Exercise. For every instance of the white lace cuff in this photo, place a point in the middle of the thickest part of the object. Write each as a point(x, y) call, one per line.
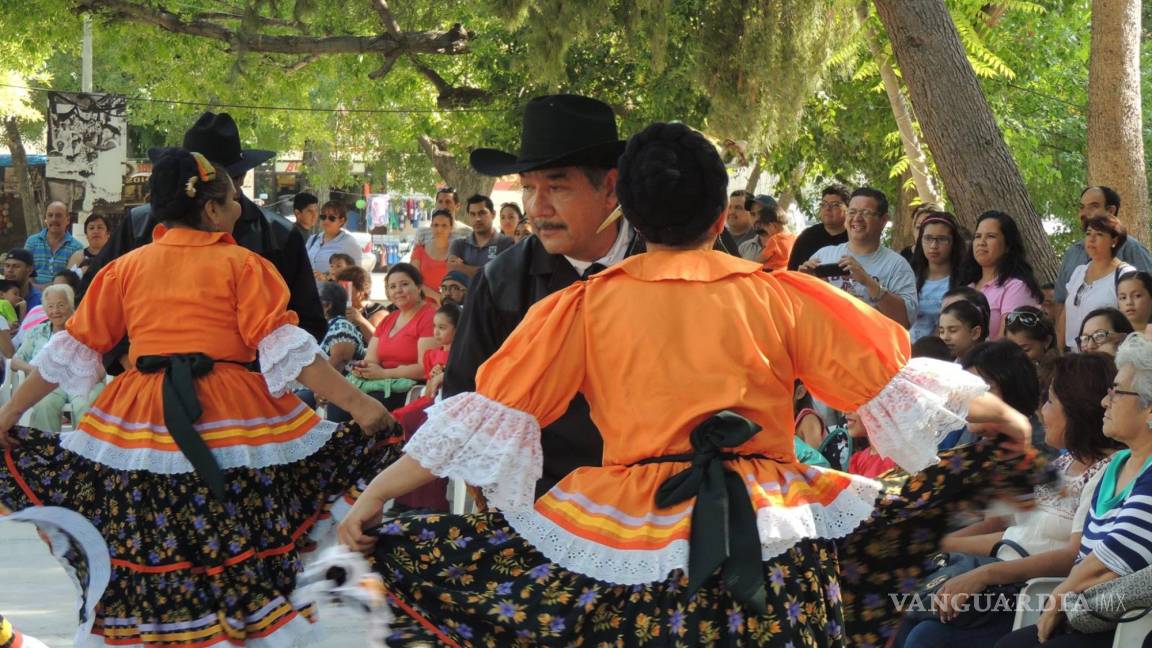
point(923, 402)
point(69, 363)
point(283, 354)
point(485, 443)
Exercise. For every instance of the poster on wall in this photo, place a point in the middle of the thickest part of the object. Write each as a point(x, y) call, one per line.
point(87, 149)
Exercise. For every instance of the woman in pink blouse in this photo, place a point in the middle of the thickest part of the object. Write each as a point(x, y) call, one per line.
point(999, 268)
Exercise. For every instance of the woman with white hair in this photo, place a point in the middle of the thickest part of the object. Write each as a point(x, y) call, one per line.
point(59, 303)
point(1117, 538)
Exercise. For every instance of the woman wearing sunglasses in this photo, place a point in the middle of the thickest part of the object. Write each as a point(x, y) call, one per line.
point(1093, 285)
point(331, 239)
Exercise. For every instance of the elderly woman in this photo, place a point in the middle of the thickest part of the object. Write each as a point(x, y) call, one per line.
point(59, 304)
point(1117, 534)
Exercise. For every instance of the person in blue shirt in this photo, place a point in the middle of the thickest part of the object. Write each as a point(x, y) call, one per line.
point(52, 246)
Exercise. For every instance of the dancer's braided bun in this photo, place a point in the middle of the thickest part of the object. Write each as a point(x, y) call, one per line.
point(672, 184)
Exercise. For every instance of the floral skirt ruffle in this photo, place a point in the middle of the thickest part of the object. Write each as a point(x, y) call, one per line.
point(473, 581)
point(186, 569)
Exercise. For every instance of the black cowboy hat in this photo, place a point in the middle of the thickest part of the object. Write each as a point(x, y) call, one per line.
point(557, 131)
point(216, 137)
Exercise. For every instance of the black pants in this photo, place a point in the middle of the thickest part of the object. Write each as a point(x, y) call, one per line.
point(1026, 638)
point(393, 402)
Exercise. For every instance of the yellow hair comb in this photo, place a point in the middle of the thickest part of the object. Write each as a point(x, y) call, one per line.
point(204, 172)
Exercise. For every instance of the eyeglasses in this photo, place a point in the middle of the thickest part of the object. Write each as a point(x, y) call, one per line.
point(932, 241)
point(1097, 338)
point(447, 288)
point(1112, 392)
point(330, 217)
point(862, 213)
point(831, 205)
point(1030, 320)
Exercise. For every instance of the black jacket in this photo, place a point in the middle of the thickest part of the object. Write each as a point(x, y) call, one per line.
point(498, 299)
point(271, 236)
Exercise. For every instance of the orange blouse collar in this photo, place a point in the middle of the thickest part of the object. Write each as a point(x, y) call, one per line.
point(695, 265)
point(189, 237)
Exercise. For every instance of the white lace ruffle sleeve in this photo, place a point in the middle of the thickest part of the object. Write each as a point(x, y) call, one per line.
point(924, 401)
point(69, 363)
point(485, 443)
point(283, 354)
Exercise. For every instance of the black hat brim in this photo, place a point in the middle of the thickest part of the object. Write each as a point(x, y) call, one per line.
point(249, 159)
point(493, 162)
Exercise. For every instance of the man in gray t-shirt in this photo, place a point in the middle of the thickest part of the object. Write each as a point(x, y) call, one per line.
point(468, 255)
point(878, 276)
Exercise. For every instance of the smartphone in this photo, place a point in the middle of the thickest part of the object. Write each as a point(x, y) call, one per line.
point(828, 270)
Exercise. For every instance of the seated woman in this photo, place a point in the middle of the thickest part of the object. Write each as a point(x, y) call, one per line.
point(342, 342)
point(963, 325)
point(1010, 375)
point(59, 304)
point(1035, 334)
point(391, 365)
point(1050, 533)
point(1103, 330)
point(1117, 532)
point(365, 314)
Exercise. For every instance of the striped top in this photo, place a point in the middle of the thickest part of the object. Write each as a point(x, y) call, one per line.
point(1120, 535)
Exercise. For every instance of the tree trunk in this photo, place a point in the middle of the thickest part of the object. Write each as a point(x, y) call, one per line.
point(901, 215)
point(974, 162)
point(754, 177)
point(28, 201)
point(902, 113)
point(1115, 125)
point(456, 172)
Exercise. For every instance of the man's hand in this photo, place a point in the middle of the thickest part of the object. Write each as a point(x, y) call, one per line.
point(454, 262)
point(859, 274)
point(808, 265)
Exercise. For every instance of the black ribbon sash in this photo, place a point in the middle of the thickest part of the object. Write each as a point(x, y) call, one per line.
point(724, 533)
point(182, 409)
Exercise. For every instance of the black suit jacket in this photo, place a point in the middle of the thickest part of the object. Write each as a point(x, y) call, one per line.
point(271, 236)
point(498, 299)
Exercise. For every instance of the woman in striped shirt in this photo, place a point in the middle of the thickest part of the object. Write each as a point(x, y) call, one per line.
point(1117, 538)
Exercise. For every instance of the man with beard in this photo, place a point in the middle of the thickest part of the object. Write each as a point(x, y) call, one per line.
point(469, 254)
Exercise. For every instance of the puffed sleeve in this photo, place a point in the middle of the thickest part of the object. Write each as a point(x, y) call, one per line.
point(267, 325)
point(490, 438)
point(72, 357)
point(854, 358)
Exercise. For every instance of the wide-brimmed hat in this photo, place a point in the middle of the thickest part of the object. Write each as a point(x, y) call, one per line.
point(216, 137)
point(557, 131)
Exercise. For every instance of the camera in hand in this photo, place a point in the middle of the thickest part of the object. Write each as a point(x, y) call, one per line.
point(828, 270)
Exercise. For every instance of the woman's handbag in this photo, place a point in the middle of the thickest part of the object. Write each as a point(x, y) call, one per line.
point(1121, 600)
point(953, 563)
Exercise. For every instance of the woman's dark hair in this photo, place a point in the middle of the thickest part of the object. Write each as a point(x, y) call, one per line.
point(1006, 364)
point(1111, 226)
point(98, 217)
point(673, 185)
point(931, 346)
point(1119, 322)
point(442, 213)
point(335, 296)
point(177, 174)
point(451, 311)
point(1013, 264)
point(71, 277)
point(970, 314)
point(514, 206)
point(359, 277)
point(970, 294)
point(1037, 327)
point(955, 258)
point(408, 269)
point(341, 208)
point(1080, 381)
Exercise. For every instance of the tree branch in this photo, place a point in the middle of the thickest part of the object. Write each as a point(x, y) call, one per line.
point(263, 20)
point(452, 42)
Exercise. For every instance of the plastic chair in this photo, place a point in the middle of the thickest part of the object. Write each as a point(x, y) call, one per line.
point(1034, 589)
point(1133, 633)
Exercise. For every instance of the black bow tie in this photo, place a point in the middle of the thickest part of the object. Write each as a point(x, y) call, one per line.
point(592, 269)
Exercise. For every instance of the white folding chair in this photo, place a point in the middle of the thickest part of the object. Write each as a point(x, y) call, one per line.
point(1133, 633)
point(1034, 589)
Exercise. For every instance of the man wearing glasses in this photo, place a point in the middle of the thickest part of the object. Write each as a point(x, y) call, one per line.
point(831, 229)
point(877, 275)
point(454, 288)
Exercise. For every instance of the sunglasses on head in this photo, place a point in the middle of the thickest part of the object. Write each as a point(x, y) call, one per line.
point(1030, 320)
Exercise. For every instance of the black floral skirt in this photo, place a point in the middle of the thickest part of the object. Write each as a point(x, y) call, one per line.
point(187, 569)
point(471, 580)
